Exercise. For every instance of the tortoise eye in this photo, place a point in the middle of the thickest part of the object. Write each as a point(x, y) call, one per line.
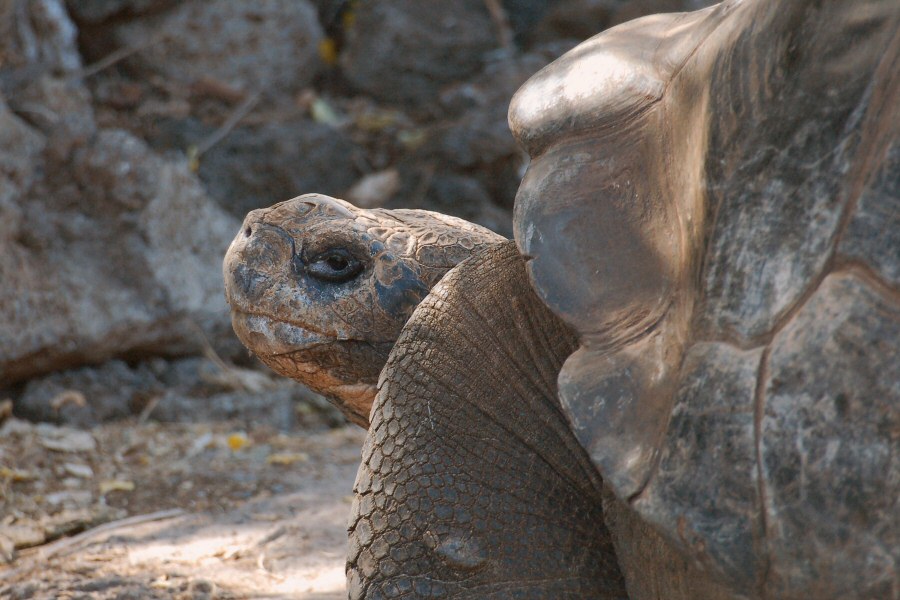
point(336, 265)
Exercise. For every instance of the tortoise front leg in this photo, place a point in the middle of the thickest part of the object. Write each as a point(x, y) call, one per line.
point(472, 484)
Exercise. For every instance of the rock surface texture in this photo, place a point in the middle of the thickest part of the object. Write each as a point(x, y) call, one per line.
point(400, 50)
point(56, 311)
point(266, 46)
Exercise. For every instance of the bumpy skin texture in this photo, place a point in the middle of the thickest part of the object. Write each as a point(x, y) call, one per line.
point(472, 484)
point(319, 289)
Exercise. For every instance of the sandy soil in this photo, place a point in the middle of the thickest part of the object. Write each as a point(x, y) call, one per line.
point(131, 510)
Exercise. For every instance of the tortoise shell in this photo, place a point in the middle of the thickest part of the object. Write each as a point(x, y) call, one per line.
point(713, 203)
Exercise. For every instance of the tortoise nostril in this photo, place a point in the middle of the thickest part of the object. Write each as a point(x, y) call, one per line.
point(248, 231)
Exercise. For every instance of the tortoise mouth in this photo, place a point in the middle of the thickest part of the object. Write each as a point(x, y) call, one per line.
point(267, 336)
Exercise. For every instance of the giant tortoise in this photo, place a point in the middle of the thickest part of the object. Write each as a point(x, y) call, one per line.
point(681, 380)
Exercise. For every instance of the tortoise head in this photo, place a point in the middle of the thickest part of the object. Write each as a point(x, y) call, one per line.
point(319, 289)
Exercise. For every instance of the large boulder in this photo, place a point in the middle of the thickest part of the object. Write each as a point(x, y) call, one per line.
point(405, 50)
point(256, 46)
point(39, 74)
point(118, 256)
point(106, 249)
point(20, 145)
point(255, 167)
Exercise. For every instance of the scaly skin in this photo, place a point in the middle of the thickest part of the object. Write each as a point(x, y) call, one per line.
point(472, 485)
point(320, 289)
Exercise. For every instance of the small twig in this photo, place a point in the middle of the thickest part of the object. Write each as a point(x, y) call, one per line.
point(501, 21)
point(148, 410)
point(233, 119)
point(280, 531)
point(65, 545)
point(208, 351)
point(116, 56)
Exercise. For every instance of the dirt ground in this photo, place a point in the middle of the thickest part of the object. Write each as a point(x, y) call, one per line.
point(132, 509)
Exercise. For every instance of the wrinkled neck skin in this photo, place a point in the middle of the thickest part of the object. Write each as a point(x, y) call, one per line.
point(472, 485)
point(319, 289)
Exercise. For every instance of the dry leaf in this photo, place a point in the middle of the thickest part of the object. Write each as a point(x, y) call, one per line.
point(16, 474)
point(116, 485)
point(378, 120)
point(238, 440)
point(79, 470)
point(322, 112)
point(200, 444)
point(412, 138)
point(6, 409)
point(287, 458)
point(328, 51)
point(73, 397)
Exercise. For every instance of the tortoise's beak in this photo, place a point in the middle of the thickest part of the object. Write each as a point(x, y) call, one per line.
point(268, 337)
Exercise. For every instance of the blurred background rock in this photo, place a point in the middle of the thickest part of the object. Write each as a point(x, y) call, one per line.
point(135, 134)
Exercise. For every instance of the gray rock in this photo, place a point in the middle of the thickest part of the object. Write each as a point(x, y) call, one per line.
point(117, 172)
point(635, 9)
point(542, 20)
point(189, 390)
point(258, 166)
point(275, 408)
point(480, 135)
point(258, 47)
point(123, 263)
point(10, 213)
point(96, 11)
point(61, 109)
point(493, 87)
point(478, 162)
point(405, 50)
point(20, 150)
point(456, 194)
point(452, 193)
point(830, 444)
point(57, 105)
point(187, 235)
point(38, 43)
point(523, 15)
point(576, 20)
point(86, 396)
point(38, 33)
